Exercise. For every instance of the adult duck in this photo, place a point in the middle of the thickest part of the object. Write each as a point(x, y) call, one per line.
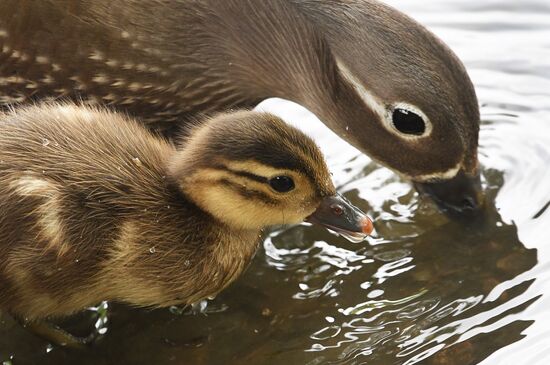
point(373, 75)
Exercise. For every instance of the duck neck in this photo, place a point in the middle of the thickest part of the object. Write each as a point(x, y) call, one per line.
point(238, 53)
point(276, 52)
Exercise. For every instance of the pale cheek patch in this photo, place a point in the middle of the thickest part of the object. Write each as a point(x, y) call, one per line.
point(49, 222)
point(246, 213)
point(228, 206)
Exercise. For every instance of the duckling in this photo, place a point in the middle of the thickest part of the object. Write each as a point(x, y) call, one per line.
point(94, 207)
point(374, 76)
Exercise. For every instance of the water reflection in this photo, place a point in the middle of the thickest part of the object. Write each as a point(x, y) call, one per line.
point(434, 295)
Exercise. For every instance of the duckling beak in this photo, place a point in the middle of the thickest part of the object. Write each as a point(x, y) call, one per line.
point(340, 216)
point(460, 196)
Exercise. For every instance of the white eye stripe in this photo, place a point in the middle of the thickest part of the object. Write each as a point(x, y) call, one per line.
point(372, 102)
point(385, 113)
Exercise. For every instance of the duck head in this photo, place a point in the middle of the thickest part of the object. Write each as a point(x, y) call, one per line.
point(420, 110)
point(251, 170)
point(382, 82)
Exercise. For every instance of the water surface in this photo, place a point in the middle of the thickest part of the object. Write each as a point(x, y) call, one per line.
point(426, 290)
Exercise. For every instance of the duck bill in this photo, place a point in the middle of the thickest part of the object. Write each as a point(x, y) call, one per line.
point(340, 216)
point(460, 196)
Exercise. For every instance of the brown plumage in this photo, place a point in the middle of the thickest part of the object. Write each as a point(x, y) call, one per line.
point(95, 207)
point(353, 63)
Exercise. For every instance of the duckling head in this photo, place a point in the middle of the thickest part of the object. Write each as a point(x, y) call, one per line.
point(251, 170)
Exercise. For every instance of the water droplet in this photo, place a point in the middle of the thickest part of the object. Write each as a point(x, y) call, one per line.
point(152, 249)
point(137, 161)
point(45, 142)
point(347, 128)
point(187, 263)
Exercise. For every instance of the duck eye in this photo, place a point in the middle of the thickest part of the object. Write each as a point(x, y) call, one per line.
point(408, 122)
point(282, 184)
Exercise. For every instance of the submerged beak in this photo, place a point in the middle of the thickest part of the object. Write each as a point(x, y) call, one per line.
point(460, 196)
point(339, 215)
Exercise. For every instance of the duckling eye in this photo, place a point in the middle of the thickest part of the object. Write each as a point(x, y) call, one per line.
point(408, 122)
point(282, 184)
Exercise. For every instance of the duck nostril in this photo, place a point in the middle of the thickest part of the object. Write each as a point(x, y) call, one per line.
point(337, 209)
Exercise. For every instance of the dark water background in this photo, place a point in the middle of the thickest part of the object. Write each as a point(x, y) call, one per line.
point(427, 290)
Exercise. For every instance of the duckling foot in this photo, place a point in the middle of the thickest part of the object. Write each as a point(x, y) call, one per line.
point(56, 335)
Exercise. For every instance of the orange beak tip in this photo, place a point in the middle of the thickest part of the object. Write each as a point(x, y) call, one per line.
point(366, 225)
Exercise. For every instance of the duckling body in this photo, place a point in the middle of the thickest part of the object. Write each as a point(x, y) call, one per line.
point(374, 76)
point(94, 207)
point(88, 214)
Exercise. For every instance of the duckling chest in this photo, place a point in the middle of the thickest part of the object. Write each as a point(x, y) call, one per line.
point(171, 270)
point(234, 255)
point(227, 259)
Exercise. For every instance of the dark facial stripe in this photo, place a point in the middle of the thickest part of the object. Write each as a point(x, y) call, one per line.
point(245, 174)
point(250, 193)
